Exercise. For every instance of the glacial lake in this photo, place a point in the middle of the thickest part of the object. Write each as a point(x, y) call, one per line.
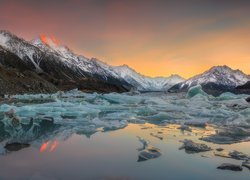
point(76, 135)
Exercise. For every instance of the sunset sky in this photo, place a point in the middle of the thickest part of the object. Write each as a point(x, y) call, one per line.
point(155, 37)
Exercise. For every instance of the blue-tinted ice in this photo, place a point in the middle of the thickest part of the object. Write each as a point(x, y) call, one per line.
point(29, 118)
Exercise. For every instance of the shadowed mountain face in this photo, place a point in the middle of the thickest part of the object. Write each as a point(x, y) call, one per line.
point(244, 89)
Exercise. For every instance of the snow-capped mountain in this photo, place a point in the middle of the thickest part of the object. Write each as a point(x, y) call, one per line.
point(92, 66)
point(144, 83)
point(46, 55)
point(222, 76)
point(57, 65)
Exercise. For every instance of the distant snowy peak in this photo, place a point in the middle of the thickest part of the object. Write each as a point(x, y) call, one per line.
point(173, 80)
point(220, 75)
point(145, 83)
point(49, 40)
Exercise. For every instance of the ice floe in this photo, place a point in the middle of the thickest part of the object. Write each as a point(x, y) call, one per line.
point(29, 116)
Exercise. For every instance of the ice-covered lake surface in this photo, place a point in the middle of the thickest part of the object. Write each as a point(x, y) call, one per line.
point(108, 136)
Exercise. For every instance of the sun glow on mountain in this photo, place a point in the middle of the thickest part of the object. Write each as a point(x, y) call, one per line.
point(54, 40)
point(49, 40)
point(44, 39)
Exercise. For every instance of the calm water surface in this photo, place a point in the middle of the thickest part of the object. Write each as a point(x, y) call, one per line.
point(114, 155)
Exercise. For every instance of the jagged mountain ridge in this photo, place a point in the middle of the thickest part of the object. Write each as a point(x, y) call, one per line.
point(45, 55)
point(52, 66)
point(140, 82)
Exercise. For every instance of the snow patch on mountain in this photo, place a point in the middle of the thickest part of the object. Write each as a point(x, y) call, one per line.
point(3, 39)
point(19, 47)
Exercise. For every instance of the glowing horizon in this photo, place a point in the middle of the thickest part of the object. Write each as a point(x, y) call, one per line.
point(156, 38)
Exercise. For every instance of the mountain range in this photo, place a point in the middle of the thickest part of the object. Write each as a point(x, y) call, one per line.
point(44, 65)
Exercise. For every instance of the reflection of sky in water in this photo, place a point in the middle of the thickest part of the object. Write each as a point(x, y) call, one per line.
point(114, 154)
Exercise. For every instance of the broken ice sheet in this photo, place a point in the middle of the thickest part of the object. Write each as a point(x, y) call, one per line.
point(84, 113)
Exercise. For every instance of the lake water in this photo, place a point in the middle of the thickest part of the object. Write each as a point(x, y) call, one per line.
point(114, 155)
point(92, 136)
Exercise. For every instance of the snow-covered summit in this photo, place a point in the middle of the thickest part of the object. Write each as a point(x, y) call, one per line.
point(220, 75)
point(51, 44)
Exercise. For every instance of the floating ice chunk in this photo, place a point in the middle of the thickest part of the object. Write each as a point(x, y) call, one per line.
point(123, 98)
point(233, 155)
point(196, 90)
point(192, 147)
point(228, 166)
point(239, 155)
point(114, 125)
point(148, 151)
point(229, 135)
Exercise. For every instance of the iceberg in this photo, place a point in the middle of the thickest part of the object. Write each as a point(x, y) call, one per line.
point(196, 90)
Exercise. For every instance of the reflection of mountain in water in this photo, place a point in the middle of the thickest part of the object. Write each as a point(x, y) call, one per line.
point(18, 135)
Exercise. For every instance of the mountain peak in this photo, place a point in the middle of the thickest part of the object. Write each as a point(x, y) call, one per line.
point(221, 68)
point(220, 75)
point(50, 43)
point(46, 40)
